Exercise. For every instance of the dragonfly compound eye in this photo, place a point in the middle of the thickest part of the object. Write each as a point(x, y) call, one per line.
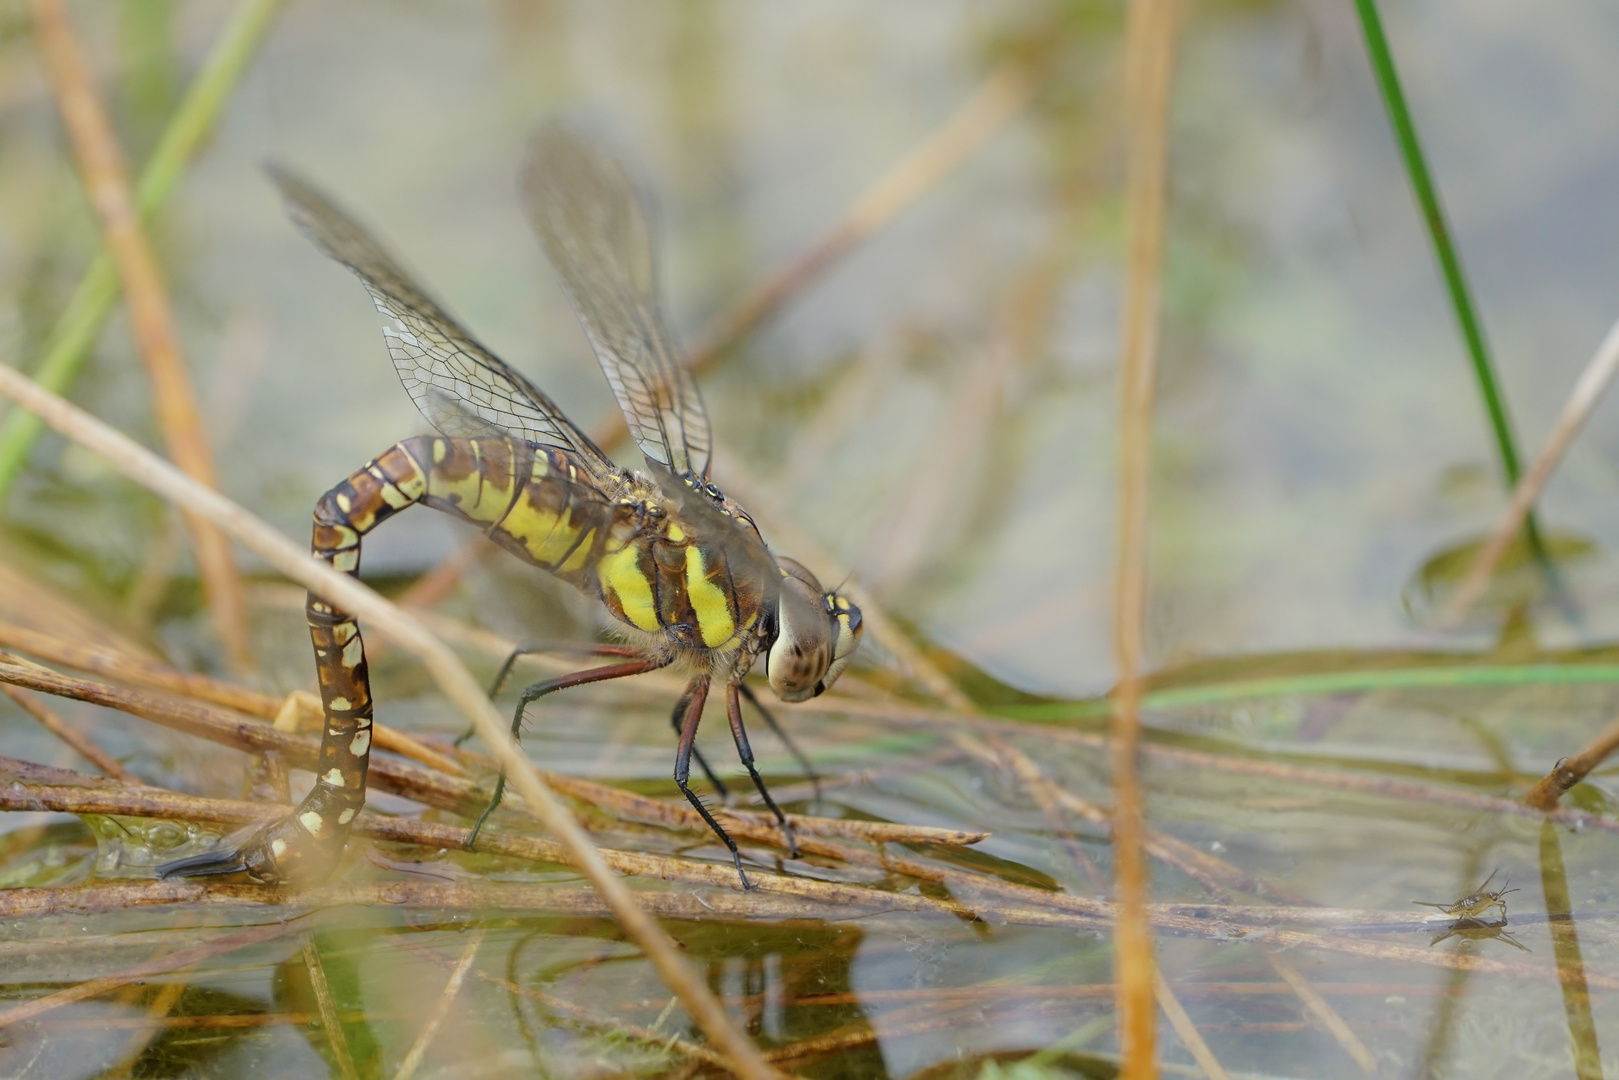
point(846, 628)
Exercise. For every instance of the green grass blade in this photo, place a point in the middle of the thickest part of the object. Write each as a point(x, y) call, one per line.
point(1454, 676)
point(69, 342)
point(1450, 264)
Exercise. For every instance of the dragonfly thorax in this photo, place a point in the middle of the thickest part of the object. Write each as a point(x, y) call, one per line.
point(816, 634)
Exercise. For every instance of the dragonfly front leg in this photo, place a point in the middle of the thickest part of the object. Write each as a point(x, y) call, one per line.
point(733, 712)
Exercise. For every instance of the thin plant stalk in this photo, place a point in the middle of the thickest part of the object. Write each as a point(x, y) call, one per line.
point(1149, 50)
point(69, 342)
point(1324, 1012)
point(1593, 381)
point(106, 182)
point(446, 669)
point(1450, 263)
point(441, 1008)
point(1566, 950)
point(1190, 1037)
point(327, 1010)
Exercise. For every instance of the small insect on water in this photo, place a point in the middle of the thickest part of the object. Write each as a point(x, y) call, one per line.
point(1477, 903)
point(680, 567)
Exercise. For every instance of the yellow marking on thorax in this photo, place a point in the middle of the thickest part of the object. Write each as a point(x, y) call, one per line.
point(708, 602)
point(675, 533)
point(620, 573)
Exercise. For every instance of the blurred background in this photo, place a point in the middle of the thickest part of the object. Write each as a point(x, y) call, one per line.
point(932, 415)
point(936, 409)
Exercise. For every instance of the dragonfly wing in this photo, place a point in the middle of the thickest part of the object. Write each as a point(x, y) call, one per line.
point(590, 219)
point(462, 388)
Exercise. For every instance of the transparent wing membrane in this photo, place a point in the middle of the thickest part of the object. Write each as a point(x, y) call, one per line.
point(589, 218)
point(463, 389)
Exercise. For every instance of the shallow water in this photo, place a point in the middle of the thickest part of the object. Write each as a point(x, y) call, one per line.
point(935, 413)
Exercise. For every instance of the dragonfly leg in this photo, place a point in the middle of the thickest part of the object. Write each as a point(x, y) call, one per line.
point(733, 712)
point(696, 696)
point(529, 648)
point(639, 666)
point(675, 718)
point(781, 733)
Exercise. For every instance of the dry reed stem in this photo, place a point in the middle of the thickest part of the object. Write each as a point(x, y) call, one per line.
point(455, 793)
point(452, 677)
point(1190, 1037)
point(106, 182)
point(1149, 49)
point(815, 905)
point(1214, 874)
point(161, 965)
point(1044, 792)
point(1588, 390)
point(1324, 1012)
point(326, 1010)
point(1571, 770)
point(105, 660)
point(1366, 784)
point(441, 1008)
point(29, 601)
point(1084, 991)
point(82, 744)
point(584, 1017)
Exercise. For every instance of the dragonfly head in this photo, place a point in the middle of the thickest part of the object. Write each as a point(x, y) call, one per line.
point(817, 633)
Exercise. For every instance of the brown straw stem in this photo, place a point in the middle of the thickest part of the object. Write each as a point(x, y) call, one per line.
point(106, 182)
point(1571, 770)
point(1149, 49)
point(1598, 373)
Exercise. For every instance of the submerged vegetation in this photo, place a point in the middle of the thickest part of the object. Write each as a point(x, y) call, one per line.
point(1292, 764)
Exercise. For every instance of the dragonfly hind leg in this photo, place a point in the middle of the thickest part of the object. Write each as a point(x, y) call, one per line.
point(639, 666)
point(529, 648)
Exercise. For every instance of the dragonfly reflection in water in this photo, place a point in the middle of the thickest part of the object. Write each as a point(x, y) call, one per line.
point(681, 568)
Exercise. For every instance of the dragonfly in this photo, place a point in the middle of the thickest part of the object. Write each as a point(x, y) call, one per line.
point(679, 566)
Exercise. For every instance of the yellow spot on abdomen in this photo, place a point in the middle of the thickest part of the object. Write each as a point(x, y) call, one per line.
point(620, 573)
point(708, 602)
